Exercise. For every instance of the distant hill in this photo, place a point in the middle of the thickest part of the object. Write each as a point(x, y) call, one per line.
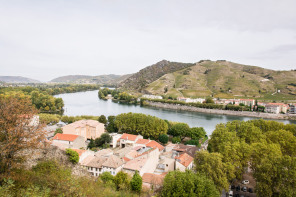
point(222, 79)
point(141, 79)
point(86, 79)
point(17, 79)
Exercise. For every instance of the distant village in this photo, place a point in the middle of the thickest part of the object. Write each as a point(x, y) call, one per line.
point(128, 153)
point(275, 108)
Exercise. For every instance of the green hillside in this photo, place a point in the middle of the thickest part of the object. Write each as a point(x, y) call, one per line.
point(226, 80)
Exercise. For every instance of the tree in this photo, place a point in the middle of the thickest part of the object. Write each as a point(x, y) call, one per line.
point(121, 180)
point(91, 144)
point(103, 119)
point(209, 100)
point(197, 133)
point(111, 127)
point(58, 130)
point(176, 140)
point(211, 165)
point(179, 129)
point(17, 133)
point(73, 155)
point(136, 182)
point(163, 138)
point(106, 177)
point(104, 139)
point(188, 184)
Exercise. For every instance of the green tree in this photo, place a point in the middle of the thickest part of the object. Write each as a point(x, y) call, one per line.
point(136, 182)
point(73, 155)
point(103, 119)
point(179, 129)
point(91, 144)
point(209, 100)
point(106, 177)
point(121, 180)
point(188, 184)
point(163, 138)
point(58, 130)
point(111, 127)
point(176, 140)
point(196, 133)
point(211, 164)
point(104, 139)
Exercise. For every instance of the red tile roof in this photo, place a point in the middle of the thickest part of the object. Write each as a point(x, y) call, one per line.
point(154, 144)
point(129, 137)
point(185, 159)
point(65, 137)
point(154, 179)
point(142, 141)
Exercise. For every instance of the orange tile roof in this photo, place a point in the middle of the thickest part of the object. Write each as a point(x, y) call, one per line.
point(130, 137)
point(154, 144)
point(79, 151)
point(142, 141)
point(135, 164)
point(126, 159)
point(185, 159)
point(65, 137)
point(154, 179)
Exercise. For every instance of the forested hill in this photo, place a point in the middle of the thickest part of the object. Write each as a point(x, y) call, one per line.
point(86, 79)
point(141, 79)
point(17, 79)
point(221, 78)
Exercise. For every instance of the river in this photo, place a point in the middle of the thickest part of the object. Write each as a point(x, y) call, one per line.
point(88, 103)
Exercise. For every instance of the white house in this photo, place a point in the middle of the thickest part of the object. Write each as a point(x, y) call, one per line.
point(113, 164)
point(128, 140)
point(148, 96)
point(184, 162)
point(114, 139)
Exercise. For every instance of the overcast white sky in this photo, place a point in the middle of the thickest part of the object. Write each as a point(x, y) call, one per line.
point(44, 39)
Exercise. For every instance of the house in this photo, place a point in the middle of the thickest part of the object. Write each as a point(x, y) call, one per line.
point(165, 164)
point(128, 140)
point(292, 109)
point(179, 149)
point(184, 162)
point(64, 141)
point(148, 96)
point(152, 181)
point(113, 165)
point(94, 166)
point(86, 128)
point(149, 143)
point(143, 163)
point(114, 139)
point(275, 109)
point(247, 102)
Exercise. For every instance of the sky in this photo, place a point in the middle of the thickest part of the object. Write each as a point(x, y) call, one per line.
point(45, 39)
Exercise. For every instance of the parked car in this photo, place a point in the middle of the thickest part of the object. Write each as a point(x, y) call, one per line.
point(250, 190)
point(245, 182)
point(238, 188)
point(230, 193)
point(245, 189)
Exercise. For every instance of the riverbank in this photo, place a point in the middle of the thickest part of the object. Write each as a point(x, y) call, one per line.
point(221, 112)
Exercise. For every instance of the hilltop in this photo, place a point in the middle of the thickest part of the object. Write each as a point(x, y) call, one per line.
point(141, 79)
point(17, 79)
point(86, 79)
point(221, 78)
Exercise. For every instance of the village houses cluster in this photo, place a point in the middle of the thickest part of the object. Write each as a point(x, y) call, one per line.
point(128, 153)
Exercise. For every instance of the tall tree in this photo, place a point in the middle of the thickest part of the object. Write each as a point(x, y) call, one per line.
point(103, 119)
point(18, 131)
point(111, 127)
point(136, 182)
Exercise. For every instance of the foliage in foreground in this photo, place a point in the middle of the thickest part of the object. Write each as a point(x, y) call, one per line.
point(73, 155)
point(49, 178)
point(189, 184)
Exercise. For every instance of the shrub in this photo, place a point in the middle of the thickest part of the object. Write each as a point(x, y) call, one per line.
point(176, 140)
point(136, 182)
point(163, 138)
point(73, 155)
point(121, 180)
point(58, 130)
point(106, 177)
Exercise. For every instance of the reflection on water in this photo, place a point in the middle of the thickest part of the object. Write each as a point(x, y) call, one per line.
point(88, 103)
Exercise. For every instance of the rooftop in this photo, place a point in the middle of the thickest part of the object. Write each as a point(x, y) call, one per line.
point(154, 144)
point(185, 159)
point(152, 178)
point(135, 164)
point(142, 141)
point(83, 123)
point(113, 162)
point(79, 151)
point(65, 137)
point(97, 162)
point(130, 137)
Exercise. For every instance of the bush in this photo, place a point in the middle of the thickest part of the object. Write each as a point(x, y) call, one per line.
point(106, 177)
point(176, 140)
point(49, 118)
point(58, 130)
point(73, 155)
point(163, 138)
point(121, 180)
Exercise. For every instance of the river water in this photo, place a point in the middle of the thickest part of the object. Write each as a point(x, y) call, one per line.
point(88, 103)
